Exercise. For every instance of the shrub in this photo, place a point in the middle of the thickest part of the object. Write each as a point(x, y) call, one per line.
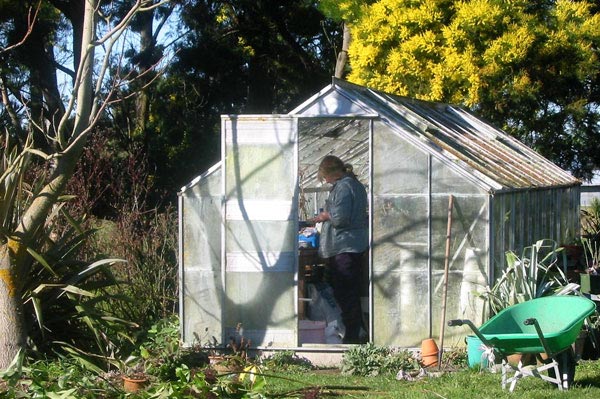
point(114, 187)
point(287, 360)
point(372, 360)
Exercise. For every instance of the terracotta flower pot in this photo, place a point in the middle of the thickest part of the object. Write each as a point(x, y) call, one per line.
point(429, 353)
point(224, 364)
point(134, 383)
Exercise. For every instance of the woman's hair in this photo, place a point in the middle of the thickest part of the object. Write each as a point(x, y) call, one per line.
point(331, 165)
point(349, 169)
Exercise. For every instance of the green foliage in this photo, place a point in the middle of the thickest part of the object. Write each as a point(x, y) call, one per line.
point(529, 67)
point(65, 289)
point(371, 360)
point(56, 378)
point(590, 219)
point(63, 378)
point(162, 352)
point(454, 358)
point(591, 252)
point(286, 360)
point(123, 206)
point(13, 169)
point(537, 273)
point(66, 298)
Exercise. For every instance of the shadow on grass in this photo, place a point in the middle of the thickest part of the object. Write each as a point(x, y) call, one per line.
point(324, 391)
point(587, 382)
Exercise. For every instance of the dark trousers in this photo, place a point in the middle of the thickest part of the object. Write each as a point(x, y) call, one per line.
point(345, 275)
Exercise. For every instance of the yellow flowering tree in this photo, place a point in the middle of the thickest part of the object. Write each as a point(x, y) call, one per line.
point(531, 67)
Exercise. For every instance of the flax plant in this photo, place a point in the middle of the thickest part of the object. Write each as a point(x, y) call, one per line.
point(536, 273)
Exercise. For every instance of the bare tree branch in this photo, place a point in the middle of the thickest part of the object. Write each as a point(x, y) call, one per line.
point(30, 23)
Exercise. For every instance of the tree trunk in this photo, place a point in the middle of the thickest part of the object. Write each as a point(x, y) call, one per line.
point(12, 325)
point(147, 45)
point(342, 58)
point(13, 261)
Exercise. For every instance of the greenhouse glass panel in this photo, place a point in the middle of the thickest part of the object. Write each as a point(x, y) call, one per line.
point(260, 175)
point(257, 171)
point(400, 240)
point(446, 180)
point(400, 305)
point(264, 235)
point(262, 304)
point(467, 260)
point(400, 219)
point(398, 166)
point(202, 289)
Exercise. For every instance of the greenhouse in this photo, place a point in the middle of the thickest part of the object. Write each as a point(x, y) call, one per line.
point(448, 193)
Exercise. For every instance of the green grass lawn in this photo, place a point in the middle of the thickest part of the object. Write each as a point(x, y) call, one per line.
point(463, 383)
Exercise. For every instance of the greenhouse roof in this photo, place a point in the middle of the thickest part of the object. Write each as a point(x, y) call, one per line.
point(332, 122)
point(454, 135)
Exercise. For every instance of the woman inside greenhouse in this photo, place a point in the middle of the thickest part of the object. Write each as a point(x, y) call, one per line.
point(344, 240)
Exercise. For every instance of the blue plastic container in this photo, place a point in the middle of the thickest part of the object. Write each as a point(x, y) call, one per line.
point(475, 351)
point(311, 241)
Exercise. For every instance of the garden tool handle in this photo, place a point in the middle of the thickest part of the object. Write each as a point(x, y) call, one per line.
point(533, 321)
point(460, 322)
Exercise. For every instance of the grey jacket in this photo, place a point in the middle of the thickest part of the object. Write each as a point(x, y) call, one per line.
point(348, 228)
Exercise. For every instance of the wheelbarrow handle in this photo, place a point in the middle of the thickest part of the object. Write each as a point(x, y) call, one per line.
point(459, 322)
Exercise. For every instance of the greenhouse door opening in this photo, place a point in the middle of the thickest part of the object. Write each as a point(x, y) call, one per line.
point(319, 314)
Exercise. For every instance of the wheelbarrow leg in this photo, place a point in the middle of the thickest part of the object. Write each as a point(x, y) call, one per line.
point(506, 368)
point(565, 368)
point(567, 365)
point(504, 374)
point(521, 371)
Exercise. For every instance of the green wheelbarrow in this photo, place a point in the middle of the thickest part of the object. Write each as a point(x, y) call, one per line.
point(547, 325)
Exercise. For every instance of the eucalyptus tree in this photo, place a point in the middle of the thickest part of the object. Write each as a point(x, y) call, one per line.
point(43, 125)
point(531, 67)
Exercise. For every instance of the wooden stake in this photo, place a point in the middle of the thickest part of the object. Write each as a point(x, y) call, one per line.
point(446, 267)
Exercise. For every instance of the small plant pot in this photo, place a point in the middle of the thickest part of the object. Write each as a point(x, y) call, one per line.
point(134, 384)
point(590, 283)
point(223, 364)
point(429, 353)
point(526, 359)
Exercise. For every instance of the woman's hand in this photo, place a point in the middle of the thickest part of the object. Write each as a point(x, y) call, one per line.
point(321, 217)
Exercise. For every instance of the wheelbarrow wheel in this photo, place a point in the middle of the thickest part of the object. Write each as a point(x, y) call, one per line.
point(566, 366)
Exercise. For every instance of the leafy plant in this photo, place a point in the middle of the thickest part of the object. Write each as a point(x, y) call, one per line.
point(61, 377)
point(124, 208)
point(590, 219)
point(590, 224)
point(163, 353)
point(591, 252)
point(372, 360)
point(239, 345)
point(67, 296)
point(287, 360)
point(537, 273)
point(456, 357)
